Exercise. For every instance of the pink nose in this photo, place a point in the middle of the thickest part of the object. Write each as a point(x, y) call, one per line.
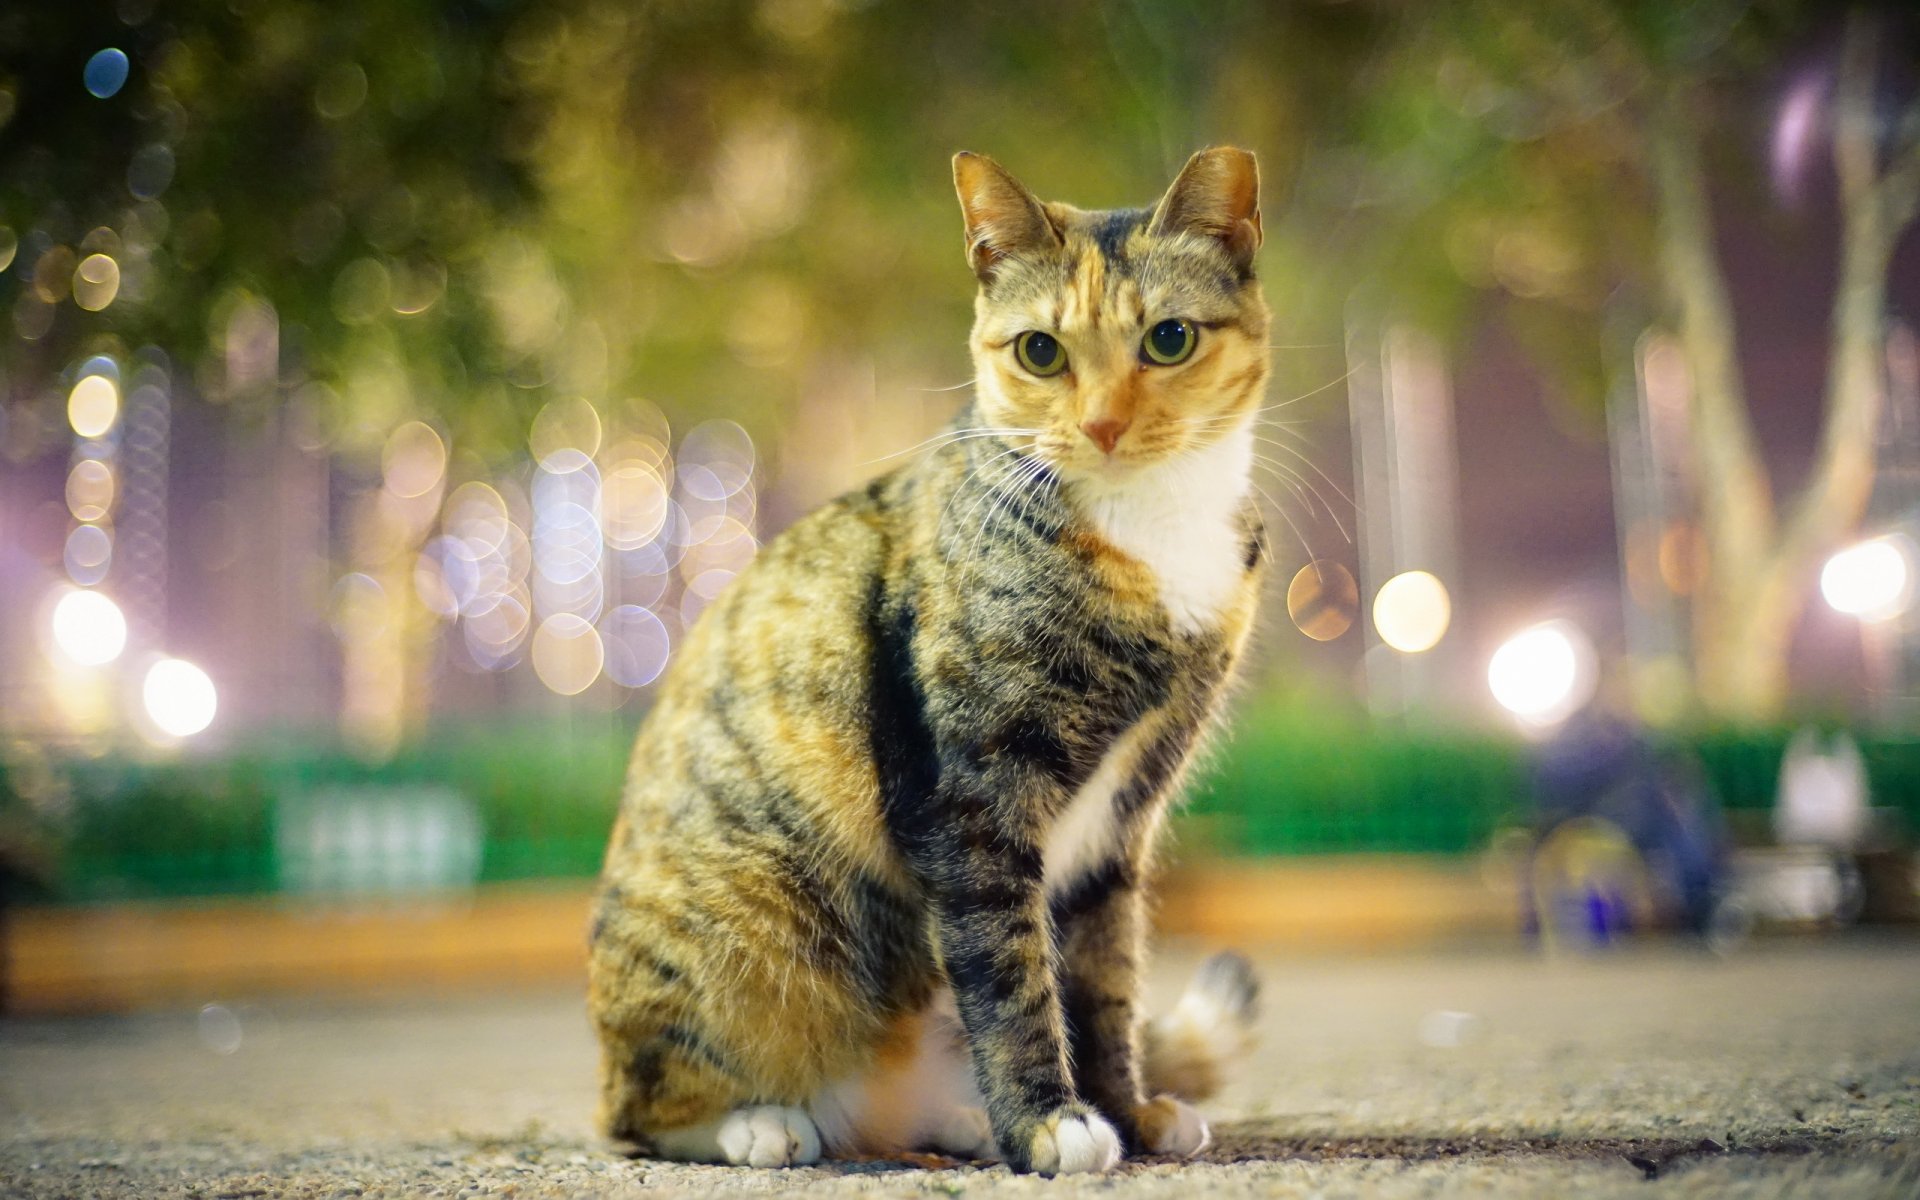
point(1105, 432)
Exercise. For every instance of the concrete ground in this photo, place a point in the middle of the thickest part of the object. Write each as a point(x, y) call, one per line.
point(1789, 1069)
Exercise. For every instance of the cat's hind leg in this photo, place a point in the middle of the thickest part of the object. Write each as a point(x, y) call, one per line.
point(761, 1135)
point(918, 1093)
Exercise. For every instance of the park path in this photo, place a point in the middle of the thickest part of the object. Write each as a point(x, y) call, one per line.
point(1790, 1069)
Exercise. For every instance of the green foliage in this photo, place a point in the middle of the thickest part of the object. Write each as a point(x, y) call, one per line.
point(1283, 790)
point(347, 164)
point(461, 208)
point(545, 797)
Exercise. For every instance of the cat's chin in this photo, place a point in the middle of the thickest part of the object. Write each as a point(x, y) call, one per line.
point(1113, 474)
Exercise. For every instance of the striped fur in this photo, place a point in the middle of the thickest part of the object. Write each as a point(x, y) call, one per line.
point(880, 857)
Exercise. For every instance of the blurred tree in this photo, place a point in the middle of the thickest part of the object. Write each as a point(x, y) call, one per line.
point(460, 210)
point(1568, 146)
point(346, 216)
point(323, 181)
point(1761, 561)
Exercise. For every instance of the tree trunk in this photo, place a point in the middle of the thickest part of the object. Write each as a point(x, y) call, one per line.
point(1760, 567)
point(1741, 638)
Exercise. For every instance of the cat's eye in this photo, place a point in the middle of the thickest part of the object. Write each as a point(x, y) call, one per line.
point(1040, 353)
point(1168, 342)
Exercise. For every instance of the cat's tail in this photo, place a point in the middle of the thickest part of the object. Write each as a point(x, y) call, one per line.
point(1188, 1050)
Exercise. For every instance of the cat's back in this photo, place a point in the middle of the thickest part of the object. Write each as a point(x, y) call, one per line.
point(764, 719)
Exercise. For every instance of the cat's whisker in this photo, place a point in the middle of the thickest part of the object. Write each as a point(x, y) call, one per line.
point(1302, 487)
point(1282, 513)
point(1291, 482)
point(978, 470)
point(1308, 442)
point(1316, 470)
point(1309, 395)
point(995, 498)
point(1012, 488)
point(978, 515)
point(1299, 481)
point(1004, 489)
point(952, 388)
point(1215, 424)
point(949, 437)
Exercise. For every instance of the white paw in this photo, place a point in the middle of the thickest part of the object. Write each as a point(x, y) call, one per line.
point(965, 1133)
point(1073, 1144)
point(1182, 1133)
point(769, 1136)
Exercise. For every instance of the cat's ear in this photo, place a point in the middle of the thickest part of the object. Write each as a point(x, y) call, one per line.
point(1002, 217)
point(1217, 195)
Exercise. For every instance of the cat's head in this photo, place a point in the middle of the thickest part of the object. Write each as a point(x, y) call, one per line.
point(1124, 338)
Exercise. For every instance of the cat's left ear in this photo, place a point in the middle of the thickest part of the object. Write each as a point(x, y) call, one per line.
point(1002, 216)
point(1218, 196)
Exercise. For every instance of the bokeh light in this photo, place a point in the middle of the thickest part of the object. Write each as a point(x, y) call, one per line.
point(52, 276)
point(106, 72)
point(447, 576)
point(493, 633)
point(93, 406)
point(484, 557)
point(180, 697)
point(645, 573)
point(414, 460)
point(358, 608)
point(726, 451)
point(90, 488)
point(720, 544)
point(96, 281)
point(88, 553)
point(568, 547)
point(150, 171)
point(89, 628)
point(1412, 611)
point(1872, 580)
point(1322, 599)
point(565, 425)
point(567, 654)
point(634, 504)
point(637, 645)
point(1543, 674)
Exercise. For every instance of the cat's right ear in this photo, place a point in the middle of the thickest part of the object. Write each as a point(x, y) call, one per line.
point(1002, 217)
point(1217, 195)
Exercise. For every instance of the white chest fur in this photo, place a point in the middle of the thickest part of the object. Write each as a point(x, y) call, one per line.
point(1085, 834)
point(1180, 518)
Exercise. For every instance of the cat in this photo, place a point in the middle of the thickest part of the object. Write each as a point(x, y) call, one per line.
point(876, 882)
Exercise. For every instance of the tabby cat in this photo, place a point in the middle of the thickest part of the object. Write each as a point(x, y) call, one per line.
point(876, 881)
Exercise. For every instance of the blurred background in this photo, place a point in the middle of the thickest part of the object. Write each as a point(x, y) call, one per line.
point(385, 388)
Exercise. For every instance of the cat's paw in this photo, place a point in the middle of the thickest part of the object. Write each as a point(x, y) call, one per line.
point(1170, 1126)
point(1073, 1141)
point(965, 1133)
point(769, 1136)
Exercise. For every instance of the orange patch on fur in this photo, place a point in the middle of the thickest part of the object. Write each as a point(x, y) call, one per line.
point(1086, 295)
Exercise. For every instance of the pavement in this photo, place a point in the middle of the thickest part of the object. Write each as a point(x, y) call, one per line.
point(1791, 1068)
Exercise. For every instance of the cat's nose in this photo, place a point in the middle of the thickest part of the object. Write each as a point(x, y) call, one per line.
point(1105, 431)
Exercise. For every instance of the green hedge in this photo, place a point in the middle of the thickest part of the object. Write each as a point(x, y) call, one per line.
point(544, 802)
point(1277, 790)
point(543, 799)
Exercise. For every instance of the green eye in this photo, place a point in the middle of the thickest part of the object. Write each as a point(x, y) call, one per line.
point(1040, 353)
point(1168, 342)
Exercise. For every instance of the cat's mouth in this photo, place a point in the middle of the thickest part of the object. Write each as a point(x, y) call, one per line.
point(1108, 473)
point(1122, 463)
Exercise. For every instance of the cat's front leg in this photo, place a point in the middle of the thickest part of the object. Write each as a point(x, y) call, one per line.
point(994, 943)
point(1101, 926)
